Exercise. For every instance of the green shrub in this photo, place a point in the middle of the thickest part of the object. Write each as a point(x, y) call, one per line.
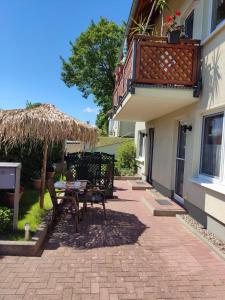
point(125, 160)
point(6, 216)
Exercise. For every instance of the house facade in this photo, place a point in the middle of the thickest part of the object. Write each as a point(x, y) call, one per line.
point(176, 95)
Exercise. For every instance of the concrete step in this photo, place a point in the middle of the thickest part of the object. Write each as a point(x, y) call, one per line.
point(140, 185)
point(161, 205)
point(127, 177)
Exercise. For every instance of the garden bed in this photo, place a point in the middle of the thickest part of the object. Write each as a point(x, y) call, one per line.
point(28, 248)
point(29, 212)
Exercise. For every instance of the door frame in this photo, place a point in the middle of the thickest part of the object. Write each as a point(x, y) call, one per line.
point(177, 197)
point(151, 133)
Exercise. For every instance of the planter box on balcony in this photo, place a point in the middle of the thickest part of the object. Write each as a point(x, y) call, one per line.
point(174, 37)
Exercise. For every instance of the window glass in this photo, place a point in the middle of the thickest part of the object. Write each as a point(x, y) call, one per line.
point(141, 143)
point(211, 145)
point(189, 25)
point(218, 13)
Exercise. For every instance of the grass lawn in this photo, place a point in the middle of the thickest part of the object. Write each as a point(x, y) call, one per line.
point(29, 212)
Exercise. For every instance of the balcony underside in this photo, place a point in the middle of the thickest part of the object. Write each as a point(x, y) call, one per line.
point(147, 104)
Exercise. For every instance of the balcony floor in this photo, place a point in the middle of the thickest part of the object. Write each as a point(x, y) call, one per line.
point(148, 103)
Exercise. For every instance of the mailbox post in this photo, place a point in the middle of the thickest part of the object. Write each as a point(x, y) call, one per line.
point(10, 180)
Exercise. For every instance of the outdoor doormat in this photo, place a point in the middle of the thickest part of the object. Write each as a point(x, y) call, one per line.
point(141, 182)
point(164, 202)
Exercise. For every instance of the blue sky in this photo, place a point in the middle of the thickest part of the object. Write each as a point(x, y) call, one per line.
point(33, 35)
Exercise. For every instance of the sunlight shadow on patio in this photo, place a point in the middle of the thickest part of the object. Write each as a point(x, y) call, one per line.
point(95, 232)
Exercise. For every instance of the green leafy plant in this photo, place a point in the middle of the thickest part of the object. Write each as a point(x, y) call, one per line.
point(126, 159)
point(30, 105)
point(160, 6)
point(141, 27)
point(6, 216)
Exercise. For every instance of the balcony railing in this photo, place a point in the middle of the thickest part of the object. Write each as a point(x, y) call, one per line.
point(152, 61)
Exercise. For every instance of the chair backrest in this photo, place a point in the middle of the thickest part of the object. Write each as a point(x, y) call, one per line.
point(52, 192)
point(69, 176)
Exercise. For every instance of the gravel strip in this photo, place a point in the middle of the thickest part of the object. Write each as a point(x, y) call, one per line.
point(204, 232)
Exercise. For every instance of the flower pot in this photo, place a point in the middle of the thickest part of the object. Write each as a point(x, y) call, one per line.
point(173, 37)
point(10, 198)
point(50, 175)
point(36, 184)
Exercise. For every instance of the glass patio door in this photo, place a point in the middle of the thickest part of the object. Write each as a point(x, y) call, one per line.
point(180, 163)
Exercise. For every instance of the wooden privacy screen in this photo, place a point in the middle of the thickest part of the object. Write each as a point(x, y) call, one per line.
point(166, 63)
point(151, 60)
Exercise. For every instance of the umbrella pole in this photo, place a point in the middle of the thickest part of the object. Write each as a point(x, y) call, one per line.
point(43, 174)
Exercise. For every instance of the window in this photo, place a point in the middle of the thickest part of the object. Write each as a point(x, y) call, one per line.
point(212, 145)
point(218, 13)
point(141, 144)
point(189, 25)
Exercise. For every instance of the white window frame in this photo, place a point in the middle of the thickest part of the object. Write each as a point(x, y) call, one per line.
point(214, 179)
point(218, 26)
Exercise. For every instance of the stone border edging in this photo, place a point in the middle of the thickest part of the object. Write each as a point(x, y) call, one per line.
point(203, 239)
point(127, 177)
point(28, 248)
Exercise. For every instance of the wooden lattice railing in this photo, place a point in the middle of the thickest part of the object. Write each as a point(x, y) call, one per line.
point(151, 60)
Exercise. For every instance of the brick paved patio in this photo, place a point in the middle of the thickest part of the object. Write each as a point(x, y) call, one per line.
point(132, 255)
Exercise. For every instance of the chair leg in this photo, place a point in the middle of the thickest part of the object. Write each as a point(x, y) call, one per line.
point(76, 220)
point(75, 205)
point(103, 204)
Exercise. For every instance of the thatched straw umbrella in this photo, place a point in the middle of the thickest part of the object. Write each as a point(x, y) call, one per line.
point(43, 124)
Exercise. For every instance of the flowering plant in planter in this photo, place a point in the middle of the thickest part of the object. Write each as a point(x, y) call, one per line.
point(173, 27)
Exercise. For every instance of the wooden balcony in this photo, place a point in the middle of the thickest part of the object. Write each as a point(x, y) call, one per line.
point(151, 61)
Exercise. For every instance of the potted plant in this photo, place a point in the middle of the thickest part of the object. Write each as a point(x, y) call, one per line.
point(11, 196)
point(160, 5)
point(36, 179)
point(174, 28)
point(141, 28)
point(50, 170)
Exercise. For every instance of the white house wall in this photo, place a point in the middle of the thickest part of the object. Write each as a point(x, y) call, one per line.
point(212, 100)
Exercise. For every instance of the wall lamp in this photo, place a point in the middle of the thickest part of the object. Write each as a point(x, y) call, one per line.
point(186, 128)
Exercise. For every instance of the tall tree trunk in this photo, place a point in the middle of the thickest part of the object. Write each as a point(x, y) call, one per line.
point(43, 174)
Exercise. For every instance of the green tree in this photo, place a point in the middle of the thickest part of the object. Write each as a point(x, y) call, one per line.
point(102, 123)
point(30, 104)
point(92, 63)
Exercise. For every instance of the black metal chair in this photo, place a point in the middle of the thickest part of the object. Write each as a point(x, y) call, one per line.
point(93, 195)
point(60, 207)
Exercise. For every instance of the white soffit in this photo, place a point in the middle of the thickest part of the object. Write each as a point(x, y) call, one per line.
point(151, 103)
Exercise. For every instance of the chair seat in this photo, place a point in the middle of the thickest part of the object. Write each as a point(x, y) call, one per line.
point(96, 198)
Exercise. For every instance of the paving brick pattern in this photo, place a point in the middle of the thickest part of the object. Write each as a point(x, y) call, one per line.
point(132, 255)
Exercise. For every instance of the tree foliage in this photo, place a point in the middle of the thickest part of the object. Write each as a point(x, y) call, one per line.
point(30, 104)
point(92, 62)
